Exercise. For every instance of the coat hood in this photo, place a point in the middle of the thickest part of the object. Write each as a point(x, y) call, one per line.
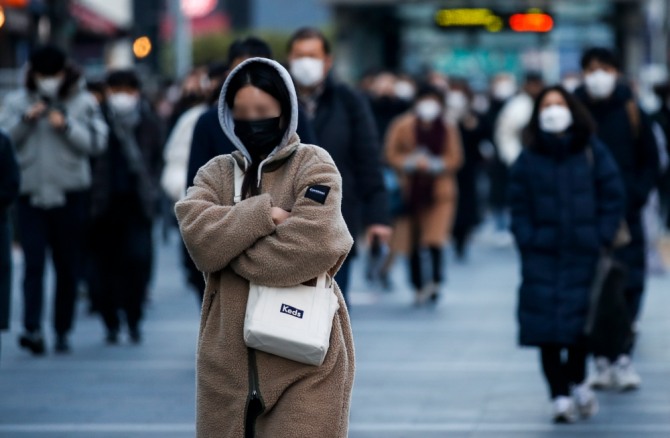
point(226, 114)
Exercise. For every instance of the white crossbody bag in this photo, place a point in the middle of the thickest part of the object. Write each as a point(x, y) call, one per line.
point(291, 322)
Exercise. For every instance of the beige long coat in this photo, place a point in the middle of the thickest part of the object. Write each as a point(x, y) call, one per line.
point(436, 222)
point(234, 244)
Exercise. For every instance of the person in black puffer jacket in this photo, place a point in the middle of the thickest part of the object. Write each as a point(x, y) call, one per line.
point(627, 133)
point(567, 202)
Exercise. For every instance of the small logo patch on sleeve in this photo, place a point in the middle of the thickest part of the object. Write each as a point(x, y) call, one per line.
point(318, 193)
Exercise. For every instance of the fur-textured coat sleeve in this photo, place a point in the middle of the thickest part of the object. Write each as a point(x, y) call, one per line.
point(214, 230)
point(314, 239)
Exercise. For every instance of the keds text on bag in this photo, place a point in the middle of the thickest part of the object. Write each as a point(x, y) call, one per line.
point(285, 308)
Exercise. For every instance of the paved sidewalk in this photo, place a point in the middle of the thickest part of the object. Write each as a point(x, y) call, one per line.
point(450, 371)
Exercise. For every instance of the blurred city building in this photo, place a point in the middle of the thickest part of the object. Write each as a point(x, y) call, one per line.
point(476, 38)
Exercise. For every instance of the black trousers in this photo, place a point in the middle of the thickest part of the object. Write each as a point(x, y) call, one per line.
point(426, 265)
point(123, 252)
point(59, 230)
point(563, 367)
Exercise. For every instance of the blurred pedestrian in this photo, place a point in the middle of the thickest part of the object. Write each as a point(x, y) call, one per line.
point(193, 91)
point(514, 117)
point(208, 143)
point(567, 202)
point(177, 150)
point(662, 117)
point(287, 230)
point(389, 96)
point(473, 135)
point(627, 132)
point(426, 153)
point(9, 191)
point(125, 200)
point(385, 102)
point(503, 88)
point(55, 126)
point(344, 126)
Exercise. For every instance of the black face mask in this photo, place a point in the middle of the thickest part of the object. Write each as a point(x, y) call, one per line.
point(260, 137)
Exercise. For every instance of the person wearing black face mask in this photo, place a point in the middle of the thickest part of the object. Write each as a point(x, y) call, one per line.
point(207, 141)
point(259, 136)
point(284, 228)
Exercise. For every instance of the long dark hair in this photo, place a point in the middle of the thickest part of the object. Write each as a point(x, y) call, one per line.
point(267, 78)
point(583, 126)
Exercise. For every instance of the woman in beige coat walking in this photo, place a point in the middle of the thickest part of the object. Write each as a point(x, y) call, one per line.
point(426, 154)
point(286, 231)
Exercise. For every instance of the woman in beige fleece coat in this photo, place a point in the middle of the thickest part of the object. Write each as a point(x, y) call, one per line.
point(280, 234)
point(426, 153)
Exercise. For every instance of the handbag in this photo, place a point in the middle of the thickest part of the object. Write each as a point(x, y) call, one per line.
point(608, 328)
point(290, 322)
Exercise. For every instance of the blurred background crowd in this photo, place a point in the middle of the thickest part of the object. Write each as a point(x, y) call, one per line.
point(125, 94)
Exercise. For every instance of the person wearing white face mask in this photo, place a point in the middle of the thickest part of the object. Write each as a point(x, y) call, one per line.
point(473, 135)
point(426, 153)
point(567, 203)
point(628, 134)
point(344, 126)
point(125, 201)
point(55, 126)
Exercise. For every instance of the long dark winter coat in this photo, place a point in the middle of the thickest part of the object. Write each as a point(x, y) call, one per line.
point(9, 190)
point(627, 133)
point(567, 205)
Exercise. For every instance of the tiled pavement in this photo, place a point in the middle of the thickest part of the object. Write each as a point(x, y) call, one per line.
point(449, 371)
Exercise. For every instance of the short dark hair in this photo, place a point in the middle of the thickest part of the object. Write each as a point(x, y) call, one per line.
point(602, 55)
point(308, 33)
point(427, 90)
point(533, 76)
point(48, 60)
point(123, 78)
point(583, 126)
point(250, 47)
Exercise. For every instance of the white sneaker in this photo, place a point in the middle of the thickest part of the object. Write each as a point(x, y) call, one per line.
point(565, 410)
point(625, 376)
point(603, 378)
point(424, 294)
point(586, 401)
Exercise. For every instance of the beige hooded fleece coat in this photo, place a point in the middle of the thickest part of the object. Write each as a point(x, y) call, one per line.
point(234, 244)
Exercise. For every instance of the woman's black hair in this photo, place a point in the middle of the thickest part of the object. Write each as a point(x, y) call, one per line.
point(583, 126)
point(264, 77)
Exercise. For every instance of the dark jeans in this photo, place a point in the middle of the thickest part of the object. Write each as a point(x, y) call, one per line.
point(563, 367)
point(342, 279)
point(60, 230)
point(123, 252)
point(426, 265)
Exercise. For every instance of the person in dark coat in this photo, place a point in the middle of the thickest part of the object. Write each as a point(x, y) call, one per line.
point(9, 190)
point(209, 142)
point(662, 117)
point(567, 202)
point(124, 201)
point(628, 134)
point(473, 134)
point(344, 126)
